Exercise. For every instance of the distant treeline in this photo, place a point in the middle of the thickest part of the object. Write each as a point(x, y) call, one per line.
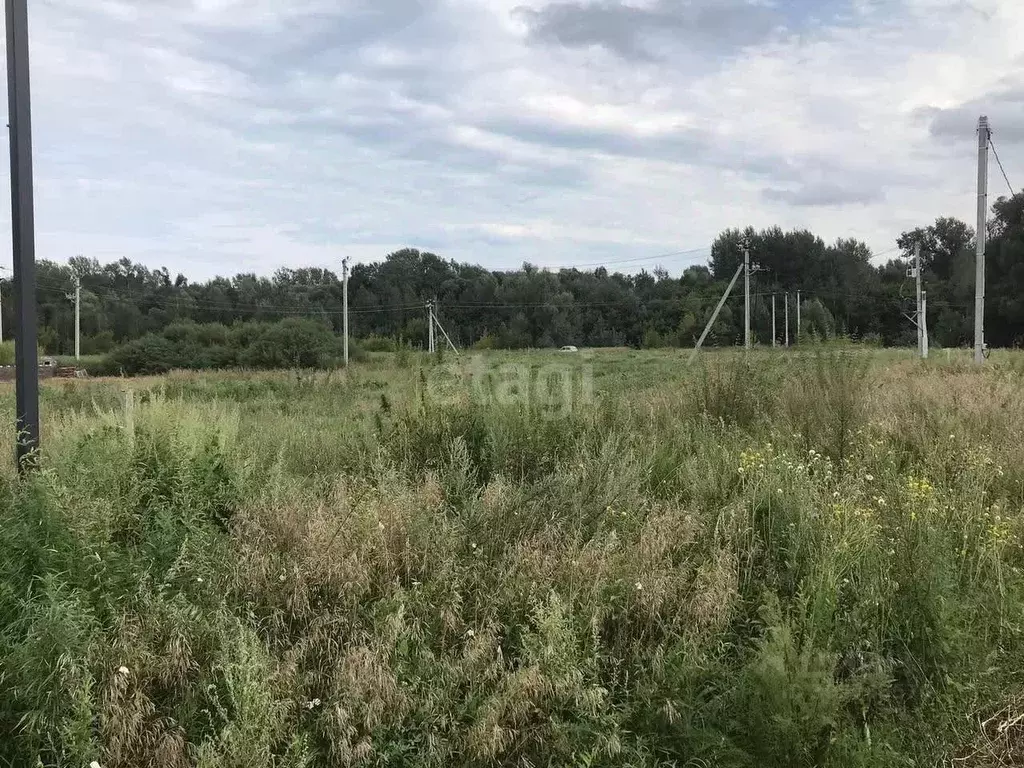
point(842, 292)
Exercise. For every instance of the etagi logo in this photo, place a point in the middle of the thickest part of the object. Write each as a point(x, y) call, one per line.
point(552, 390)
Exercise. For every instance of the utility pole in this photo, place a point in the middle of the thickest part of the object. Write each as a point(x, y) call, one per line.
point(1, 310)
point(26, 350)
point(78, 318)
point(787, 319)
point(798, 317)
point(77, 298)
point(344, 304)
point(444, 333)
point(774, 336)
point(924, 325)
point(430, 323)
point(920, 315)
point(746, 295)
point(979, 267)
point(714, 315)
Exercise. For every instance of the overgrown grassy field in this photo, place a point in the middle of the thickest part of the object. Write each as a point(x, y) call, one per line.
point(522, 560)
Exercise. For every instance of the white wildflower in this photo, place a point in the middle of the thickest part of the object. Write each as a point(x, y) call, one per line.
point(869, 478)
point(95, 764)
point(639, 587)
point(122, 670)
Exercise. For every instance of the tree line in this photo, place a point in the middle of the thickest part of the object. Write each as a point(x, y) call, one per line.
point(843, 292)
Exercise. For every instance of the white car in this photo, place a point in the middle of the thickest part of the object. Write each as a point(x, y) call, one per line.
point(569, 348)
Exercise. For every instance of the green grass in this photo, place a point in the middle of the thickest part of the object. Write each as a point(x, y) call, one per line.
point(523, 559)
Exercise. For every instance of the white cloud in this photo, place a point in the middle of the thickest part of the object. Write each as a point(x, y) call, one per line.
point(215, 136)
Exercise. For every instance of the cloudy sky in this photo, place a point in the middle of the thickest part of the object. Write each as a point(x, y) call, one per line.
point(218, 136)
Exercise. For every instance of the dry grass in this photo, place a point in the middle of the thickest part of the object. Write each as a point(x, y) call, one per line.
point(804, 561)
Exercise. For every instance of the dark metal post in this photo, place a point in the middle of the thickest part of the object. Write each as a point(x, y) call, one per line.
point(23, 230)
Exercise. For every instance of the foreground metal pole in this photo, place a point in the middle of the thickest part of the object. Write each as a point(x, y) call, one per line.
point(23, 231)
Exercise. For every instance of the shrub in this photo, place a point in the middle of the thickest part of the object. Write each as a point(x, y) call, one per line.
point(149, 355)
point(294, 343)
point(290, 343)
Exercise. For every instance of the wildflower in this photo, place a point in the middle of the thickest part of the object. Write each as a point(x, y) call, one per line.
point(199, 579)
point(123, 670)
point(470, 633)
point(313, 704)
point(473, 545)
point(95, 764)
point(869, 478)
point(639, 587)
point(281, 578)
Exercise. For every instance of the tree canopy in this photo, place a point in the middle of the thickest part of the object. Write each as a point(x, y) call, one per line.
point(843, 289)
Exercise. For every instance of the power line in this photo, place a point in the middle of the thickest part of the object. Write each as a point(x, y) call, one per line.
point(615, 262)
point(1000, 162)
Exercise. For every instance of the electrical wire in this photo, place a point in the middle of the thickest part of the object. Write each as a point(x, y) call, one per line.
point(637, 260)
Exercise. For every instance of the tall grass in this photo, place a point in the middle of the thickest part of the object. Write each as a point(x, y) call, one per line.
point(756, 563)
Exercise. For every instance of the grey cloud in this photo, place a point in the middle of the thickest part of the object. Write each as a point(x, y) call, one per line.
point(824, 194)
point(691, 146)
point(1005, 110)
point(636, 33)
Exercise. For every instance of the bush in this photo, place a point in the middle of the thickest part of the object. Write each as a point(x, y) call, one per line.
point(294, 343)
point(373, 343)
point(100, 344)
point(149, 355)
point(291, 343)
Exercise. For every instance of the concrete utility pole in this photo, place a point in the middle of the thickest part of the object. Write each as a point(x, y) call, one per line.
point(26, 350)
point(344, 304)
point(979, 268)
point(78, 318)
point(787, 319)
point(798, 317)
point(77, 298)
point(924, 325)
point(746, 295)
point(430, 323)
point(774, 335)
point(1, 310)
point(714, 315)
point(920, 316)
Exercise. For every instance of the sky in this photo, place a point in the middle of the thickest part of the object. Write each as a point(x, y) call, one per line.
point(222, 136)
